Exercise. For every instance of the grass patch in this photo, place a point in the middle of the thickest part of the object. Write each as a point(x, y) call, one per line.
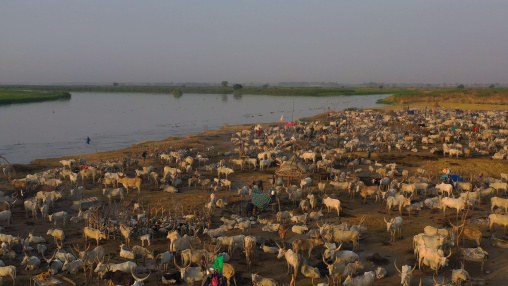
point(474, 167)
point(18, 96)
point(493, 96)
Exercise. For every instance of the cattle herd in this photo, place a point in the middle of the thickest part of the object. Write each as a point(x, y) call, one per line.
point(336, 180)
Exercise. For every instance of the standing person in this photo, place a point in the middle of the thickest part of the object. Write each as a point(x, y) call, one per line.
point(144, 155)
point(203, 264)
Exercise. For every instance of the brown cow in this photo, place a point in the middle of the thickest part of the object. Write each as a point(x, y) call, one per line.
point(131, 182)
point(21, 183)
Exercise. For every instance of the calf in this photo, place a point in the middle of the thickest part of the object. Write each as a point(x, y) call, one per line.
point(145, 237)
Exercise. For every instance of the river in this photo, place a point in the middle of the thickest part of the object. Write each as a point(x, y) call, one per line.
point(51, 129)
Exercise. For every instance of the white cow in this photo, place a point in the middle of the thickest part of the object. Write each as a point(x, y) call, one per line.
point(332, 203)
point(499, 202)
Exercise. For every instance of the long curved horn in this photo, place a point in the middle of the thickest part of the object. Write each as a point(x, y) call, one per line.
point(109, 258)
point(326, 262)
point(58, 245)
point(385, 219)
point(178, 266)
point(414, 267)
point(395, 263)
point(74, 253)
point(449, 254)
point(88, 247)
point(49, 260)
point(336, 260)
point(139, 279)
point(217, 249)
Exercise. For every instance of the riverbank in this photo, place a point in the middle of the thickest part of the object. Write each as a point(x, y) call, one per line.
point(220, 138)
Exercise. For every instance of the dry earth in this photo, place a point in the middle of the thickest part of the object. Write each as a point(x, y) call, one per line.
point(375, 240)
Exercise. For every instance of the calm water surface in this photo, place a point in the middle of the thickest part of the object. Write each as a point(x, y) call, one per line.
point(117, 120)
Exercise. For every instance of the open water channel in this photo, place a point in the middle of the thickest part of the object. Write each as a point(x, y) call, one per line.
point(30, 131)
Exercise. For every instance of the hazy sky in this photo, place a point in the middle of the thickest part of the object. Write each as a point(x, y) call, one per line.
point(399, 41)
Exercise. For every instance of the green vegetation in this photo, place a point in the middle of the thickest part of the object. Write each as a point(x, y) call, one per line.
point(312, 91)
point(127, 88)
point(489, 95)
point(23, 96)
point(463, 95)
point(222, 89)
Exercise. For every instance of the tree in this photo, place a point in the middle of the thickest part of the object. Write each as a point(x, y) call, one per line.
point(177, 92)
point(115, 84)
point(237, 86)
point(460, 86)
point(224, 83)
point(492, 86)
point(266, 85)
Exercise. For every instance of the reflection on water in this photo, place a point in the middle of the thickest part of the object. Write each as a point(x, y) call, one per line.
point(117, 120)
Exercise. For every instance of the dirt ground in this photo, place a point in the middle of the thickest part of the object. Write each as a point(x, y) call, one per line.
point(375, 241)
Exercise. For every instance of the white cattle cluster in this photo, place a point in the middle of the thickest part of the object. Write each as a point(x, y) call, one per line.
point(312, 216)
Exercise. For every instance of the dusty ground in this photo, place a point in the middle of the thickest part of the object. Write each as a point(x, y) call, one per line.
point(376, 239)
